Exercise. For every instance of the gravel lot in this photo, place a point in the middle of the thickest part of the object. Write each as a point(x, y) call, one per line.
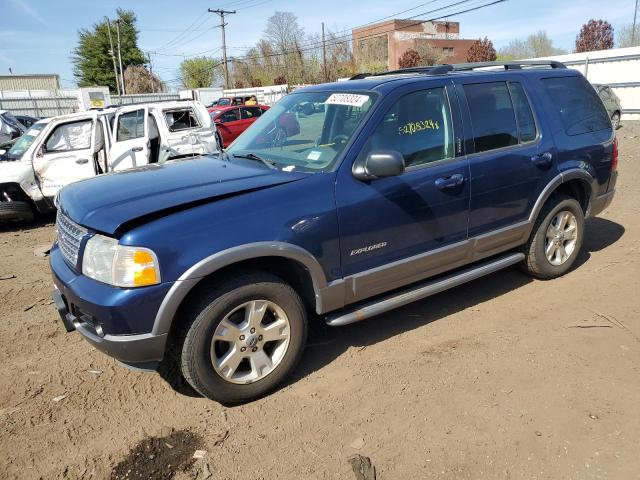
point(505, 377)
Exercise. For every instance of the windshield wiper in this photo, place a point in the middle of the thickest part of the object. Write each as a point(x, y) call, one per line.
point(257, 158)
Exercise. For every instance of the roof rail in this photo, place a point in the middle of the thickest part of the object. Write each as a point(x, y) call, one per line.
point(461, 67)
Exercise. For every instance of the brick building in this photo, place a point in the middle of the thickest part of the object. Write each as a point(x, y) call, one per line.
point(402, 35)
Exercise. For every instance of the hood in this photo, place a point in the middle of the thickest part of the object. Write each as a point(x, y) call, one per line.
point(15, 171)
point(109, 203)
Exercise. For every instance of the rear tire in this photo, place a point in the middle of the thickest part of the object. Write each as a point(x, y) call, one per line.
point(556, 239)
point(243, 338)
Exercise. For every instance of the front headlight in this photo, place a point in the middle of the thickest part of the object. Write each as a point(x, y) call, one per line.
point(119, 265)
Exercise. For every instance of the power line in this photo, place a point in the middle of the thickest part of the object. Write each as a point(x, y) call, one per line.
point(409, 25)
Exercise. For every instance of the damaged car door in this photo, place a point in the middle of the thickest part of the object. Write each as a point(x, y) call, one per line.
point(65, 156)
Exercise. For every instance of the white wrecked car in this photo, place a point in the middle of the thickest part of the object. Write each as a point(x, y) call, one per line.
point(64, 149)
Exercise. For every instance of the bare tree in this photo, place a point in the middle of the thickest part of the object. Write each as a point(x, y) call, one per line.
point(138, 79)
point(626, 38)
point(481, 51)
point(535, 45)
point(373, 54)
point(429, 53)
point(594, 35)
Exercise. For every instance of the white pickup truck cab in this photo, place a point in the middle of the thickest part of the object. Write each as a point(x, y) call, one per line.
point(57, 151)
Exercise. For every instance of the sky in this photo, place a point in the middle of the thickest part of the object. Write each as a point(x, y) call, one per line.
point(37, 36)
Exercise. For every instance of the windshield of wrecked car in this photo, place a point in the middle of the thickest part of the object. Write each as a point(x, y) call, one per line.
point(305, 131)
point(25, 141)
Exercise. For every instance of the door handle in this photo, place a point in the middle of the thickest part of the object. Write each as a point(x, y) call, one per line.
point(451, 181)
point(82, 161)
point(542, 160)
point(136, 149)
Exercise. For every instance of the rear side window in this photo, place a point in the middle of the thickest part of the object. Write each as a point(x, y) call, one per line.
point(419, 126)
point(577, 103)
point(526, 122)
point(181, 119)
point(492, 117)
point(131, 125)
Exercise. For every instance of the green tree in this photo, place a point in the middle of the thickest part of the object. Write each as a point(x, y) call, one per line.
point(92, 62)
point(198, 72)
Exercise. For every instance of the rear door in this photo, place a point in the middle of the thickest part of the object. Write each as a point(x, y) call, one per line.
point(511, 159)
point(65, 155)
point(130, 139)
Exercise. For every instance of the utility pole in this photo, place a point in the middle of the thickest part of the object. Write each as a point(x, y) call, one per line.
point(324, 55)
point(124, 90)
point(222, 13)
point(113, 56)
point(633, 31)
point(153, 83)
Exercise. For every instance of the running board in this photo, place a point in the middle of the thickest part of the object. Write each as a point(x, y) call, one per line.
point(423, 290)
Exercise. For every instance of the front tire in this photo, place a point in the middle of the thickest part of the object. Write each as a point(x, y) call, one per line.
point(556, 239)
point(243, 338)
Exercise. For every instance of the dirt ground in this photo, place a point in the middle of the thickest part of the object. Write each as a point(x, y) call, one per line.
point(505, 377)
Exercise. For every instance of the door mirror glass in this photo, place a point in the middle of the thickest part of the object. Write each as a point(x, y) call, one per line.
point(380, 164)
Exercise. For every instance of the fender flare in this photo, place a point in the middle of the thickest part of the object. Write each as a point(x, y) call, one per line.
point(189, 279)
point(563, 177)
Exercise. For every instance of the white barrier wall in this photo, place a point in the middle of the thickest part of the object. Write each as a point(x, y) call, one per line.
point(618, 67)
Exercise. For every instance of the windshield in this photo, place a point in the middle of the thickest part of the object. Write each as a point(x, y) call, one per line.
point(25, 141)
point(305, 131)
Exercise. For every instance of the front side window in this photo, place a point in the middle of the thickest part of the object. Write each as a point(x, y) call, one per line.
point(250, 112)
point(131, 125)
point(577, 103)
point(70, 136)
point(181, 119)
point(305, 131)
point(492, 117)
point(418, 126)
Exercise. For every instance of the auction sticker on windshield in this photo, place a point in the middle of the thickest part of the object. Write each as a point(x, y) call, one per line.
point(349, 99)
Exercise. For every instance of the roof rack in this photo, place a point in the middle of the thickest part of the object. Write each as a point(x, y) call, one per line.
point(461, 67)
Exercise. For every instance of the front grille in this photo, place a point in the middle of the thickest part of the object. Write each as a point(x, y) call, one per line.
point(70, 236)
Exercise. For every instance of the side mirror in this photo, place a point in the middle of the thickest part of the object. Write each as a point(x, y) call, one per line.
point(379, 164)
point(217, 121)
point(40, 152)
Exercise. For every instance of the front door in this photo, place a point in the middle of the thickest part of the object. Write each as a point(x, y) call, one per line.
point(65, 156)
point(229, 125)
point(397, 230)
point(130, 139)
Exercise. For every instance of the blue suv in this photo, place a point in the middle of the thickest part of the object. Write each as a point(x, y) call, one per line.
point(341, 202)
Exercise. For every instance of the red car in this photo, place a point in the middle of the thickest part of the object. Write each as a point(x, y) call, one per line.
point(231, 121)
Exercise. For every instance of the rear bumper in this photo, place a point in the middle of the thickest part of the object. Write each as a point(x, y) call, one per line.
point(601, 202)
point(116, 321)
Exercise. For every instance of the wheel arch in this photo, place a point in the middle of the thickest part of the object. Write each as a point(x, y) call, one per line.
point(293, 264)
point(576, 183)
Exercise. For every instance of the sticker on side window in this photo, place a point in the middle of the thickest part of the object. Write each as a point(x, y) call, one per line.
point(349, 99)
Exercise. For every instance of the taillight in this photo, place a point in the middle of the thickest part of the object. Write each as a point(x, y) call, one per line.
point(614, 157)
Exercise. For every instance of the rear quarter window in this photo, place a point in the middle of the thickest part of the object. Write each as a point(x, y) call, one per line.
point(578, 105)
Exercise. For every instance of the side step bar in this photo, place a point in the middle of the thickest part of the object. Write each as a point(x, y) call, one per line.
point(422, 291)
